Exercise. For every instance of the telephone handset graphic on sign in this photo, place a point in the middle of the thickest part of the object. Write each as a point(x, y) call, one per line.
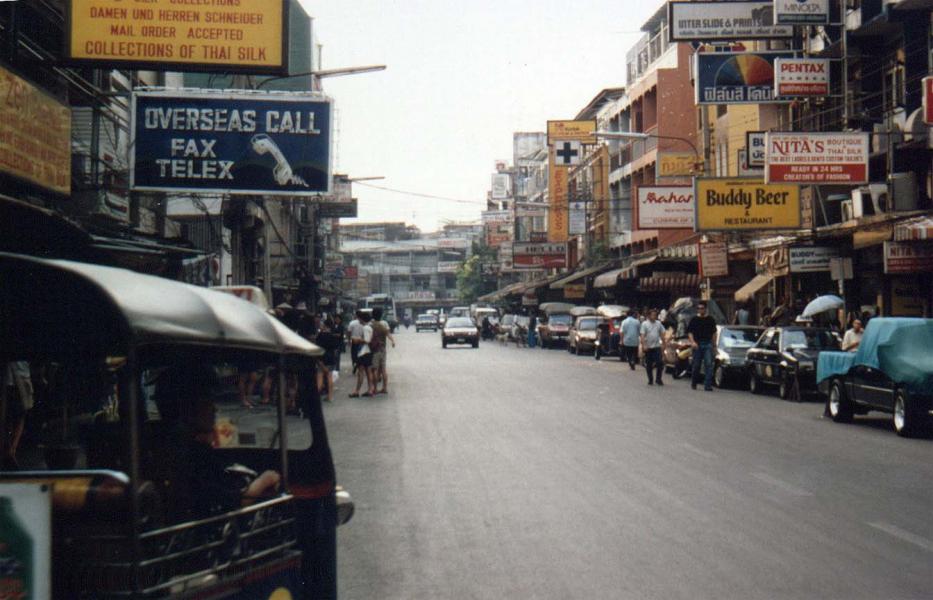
point(263, 144)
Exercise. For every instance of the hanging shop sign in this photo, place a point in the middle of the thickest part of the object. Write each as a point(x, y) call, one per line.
point(801, 77)
point(577, 224)
point(906, 297)
point(338, 210)
point(677, 164)
point(811, 259)
point(35, 135)
point(739, 204)
point(801, 12)
point(574, 291)
point(755, 144)
point(557, 221)
point(736, 77)
point(822, 158)
point(445, 266)
point(745, 169)
point(580, 131)
point(723, 21)
point(527, 255)
point(500, 186)
point(714, 259)
point(231, 143)
point(908, 257)
point(670, 207)
point(244, 36)
point(496, 216)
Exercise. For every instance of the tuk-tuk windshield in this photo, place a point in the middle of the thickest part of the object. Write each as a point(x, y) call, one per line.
point(560, 319)
point(588, 324)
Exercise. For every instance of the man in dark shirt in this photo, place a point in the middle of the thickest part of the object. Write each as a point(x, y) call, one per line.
point(702, 334)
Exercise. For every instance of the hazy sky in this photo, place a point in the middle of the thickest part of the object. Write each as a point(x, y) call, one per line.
point(461, 77)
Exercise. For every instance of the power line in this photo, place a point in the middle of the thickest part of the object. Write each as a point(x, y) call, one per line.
point(420, 195)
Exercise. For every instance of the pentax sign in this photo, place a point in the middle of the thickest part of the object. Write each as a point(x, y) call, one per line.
point(243, 36)
point(670, 207)
point(816, 158)
point(233, 143)
point(801, 77)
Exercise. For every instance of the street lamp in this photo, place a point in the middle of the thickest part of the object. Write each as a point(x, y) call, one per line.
point(637, 135)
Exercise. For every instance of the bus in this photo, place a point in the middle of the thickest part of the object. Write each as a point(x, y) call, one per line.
point(387, 303)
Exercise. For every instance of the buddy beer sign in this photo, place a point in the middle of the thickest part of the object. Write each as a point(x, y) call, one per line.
point(736, 77)
point(745, 204)
point(242, 143)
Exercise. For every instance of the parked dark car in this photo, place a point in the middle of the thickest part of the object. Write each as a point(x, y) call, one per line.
point(732, 344)
point(891, 371)
point(786, 357)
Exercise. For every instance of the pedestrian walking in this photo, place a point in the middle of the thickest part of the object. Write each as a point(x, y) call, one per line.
point(381, 334)
point(364, 357)
point(631, 331)
point(341, 332)
point(532, 331)
point(329, 341)
point(652, 332)
point(702, 331)
point(354, 333)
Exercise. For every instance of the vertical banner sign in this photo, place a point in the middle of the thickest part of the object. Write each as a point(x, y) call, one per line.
point(801, 12)
point(801, 77)
point(739, 204)
point(819, 158)
point(233, 143)
point(246, 36)
point(35, 135)
point(557, 221)
point(714, 259)
point(928, 100)
point(736, 77)
point(755, 144)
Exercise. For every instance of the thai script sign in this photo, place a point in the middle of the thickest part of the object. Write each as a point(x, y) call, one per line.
point(734, 204)
point(714, 259)
point(528, 255)
point(670, 207)
point(247, 36)
point(677, 164)
point(580, 131)
point(35, 135)
point(723, 21)
point(557, 221)
point(801, 77)
point(736, 77)
point(811, 259)
point(816, 157)
point(235, 143)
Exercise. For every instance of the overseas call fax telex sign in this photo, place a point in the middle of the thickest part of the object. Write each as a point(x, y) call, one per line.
point(242, 143)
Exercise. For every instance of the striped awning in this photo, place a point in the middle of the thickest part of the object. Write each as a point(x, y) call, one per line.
point(673, 282)
point(920, 228)
point(608, 279)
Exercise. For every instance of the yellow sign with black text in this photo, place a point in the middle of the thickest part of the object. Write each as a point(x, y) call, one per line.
point(35, 135)
point(677, 164)
point(236, 35)
point(558, 227)
point(580, 131)
point(745, 204)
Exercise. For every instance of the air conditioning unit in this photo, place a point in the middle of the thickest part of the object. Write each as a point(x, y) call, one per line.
point(915, 130)
point(870, 200)
point(848, 214)
point(905, 193)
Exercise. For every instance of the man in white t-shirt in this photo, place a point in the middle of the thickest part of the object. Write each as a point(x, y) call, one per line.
point(652, 334)
point(364, 357)
point(853, 337)
point(355, 332)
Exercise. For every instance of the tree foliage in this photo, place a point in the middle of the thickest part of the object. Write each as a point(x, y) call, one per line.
point(471, 284)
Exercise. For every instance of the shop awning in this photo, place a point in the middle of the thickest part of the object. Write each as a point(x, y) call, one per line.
point(577, 275)
point(916, 229)
point(747, 291)
point(607, 279)
point(672, 282)
point(502, 292)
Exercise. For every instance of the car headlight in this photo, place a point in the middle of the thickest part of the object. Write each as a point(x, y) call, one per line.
point(724, 357)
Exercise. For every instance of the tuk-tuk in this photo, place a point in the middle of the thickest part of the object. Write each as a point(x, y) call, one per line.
point(554, 328)
point(608, 338)
point(146, 466)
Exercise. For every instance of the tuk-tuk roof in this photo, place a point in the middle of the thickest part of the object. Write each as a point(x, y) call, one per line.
point(553, 308)
point(156, 310)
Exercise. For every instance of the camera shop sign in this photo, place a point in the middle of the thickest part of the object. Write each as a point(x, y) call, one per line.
point(526, 255)
point(233, 143)
point(736, 77)
point(723, 21)
point(908, 257)
point(816, 158)
point(669, 207)
point(801, 12)
point(801, 77)
point(745, 204)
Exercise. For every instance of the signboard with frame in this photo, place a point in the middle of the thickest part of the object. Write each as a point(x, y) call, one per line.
point(755, 144)
point(817, 158)
point(676, 164)
point(801, 77)
point(811, 259)
point(527, 255)
point(580, 131)
point(713, 259)
point(908, 257)
point(231, 143)
point(801, 12)
point(558, 206)
point(247, 36)
point(724, 21)
point(338, 210)
point(745, 204)
point(668, 207)
point(736, 77)
point(35, 135)
point(500, 186)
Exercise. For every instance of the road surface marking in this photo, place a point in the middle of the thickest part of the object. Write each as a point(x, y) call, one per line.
point(699, 451)
point(907, 536)
point(780, 484)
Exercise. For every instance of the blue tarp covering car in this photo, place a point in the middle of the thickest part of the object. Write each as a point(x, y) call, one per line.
point(900, 347)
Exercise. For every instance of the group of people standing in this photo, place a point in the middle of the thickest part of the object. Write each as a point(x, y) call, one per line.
point(645, 337)
point(369, 334)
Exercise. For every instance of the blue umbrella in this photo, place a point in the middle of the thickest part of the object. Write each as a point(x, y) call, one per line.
point(822, 304)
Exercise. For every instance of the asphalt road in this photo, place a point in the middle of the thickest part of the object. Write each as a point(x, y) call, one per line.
point(527, 473)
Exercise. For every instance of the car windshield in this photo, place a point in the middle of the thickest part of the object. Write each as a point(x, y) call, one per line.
point(455, 322)
point(809, 339)
point(587, 324)
point(560, 319)
point(738, 338)
point(430, 318)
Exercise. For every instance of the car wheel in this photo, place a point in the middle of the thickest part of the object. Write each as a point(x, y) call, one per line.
point(838, 406)
point(596, 353)
point(443, 343)
point(754, 386)
point(785, 387)
point(476, 344)
point(906, 417)
point(719, 376)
